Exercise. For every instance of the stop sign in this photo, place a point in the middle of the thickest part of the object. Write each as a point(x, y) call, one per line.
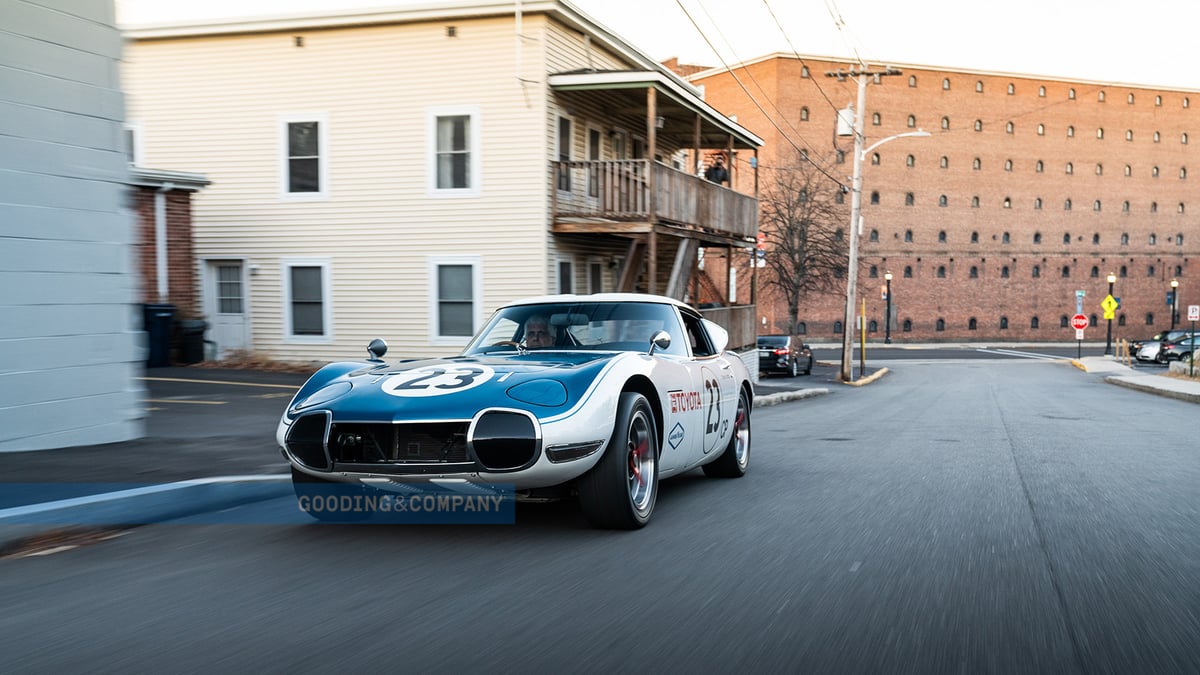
point(1079, 322)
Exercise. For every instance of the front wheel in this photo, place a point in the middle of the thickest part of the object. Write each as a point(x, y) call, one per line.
point(620, 491)
point(733, 462)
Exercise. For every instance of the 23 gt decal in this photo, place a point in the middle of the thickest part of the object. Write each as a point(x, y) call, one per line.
point(437, 380)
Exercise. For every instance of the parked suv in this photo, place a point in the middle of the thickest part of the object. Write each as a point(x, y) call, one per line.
point(786, 354)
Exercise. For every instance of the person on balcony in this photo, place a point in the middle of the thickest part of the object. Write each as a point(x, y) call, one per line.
point(717, 172)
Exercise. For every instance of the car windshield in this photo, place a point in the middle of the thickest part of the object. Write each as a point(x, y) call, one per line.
point(593, 326)
point(772, 341)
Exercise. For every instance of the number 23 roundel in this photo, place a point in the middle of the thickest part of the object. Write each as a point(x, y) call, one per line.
point(437, 380)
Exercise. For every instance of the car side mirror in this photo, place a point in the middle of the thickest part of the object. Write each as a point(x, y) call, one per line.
point(660, 340)
point(377, 349)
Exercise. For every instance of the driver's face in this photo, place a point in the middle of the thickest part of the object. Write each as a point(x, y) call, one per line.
point(537, 335)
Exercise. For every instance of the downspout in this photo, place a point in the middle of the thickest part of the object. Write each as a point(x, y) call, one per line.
point(160, 240)
point(652, 138)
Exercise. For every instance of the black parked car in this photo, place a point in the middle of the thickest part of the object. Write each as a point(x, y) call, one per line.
point(1178, 349)
point(1159, 355)
point(783, 354)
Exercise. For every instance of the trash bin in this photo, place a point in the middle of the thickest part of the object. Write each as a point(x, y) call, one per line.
point(191, 340)
point(159, 324)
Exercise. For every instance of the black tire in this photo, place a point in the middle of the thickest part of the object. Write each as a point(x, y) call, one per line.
point(1160, 357)
point(307, 487)
point(808, 369)
point(794, 370)
point(620, 491)
point(733, 462)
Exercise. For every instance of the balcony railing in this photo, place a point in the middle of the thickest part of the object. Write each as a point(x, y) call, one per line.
point(619, 190)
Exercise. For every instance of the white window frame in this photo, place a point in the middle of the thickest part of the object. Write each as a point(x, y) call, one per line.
point(286, 265)
point(569, 260)
point(476, 264)
point(475, 150)
point(322, 120)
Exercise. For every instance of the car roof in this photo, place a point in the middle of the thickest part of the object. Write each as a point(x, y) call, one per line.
point(600, 297)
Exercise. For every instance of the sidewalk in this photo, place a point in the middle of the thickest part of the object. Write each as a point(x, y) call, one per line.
point(1115, 372)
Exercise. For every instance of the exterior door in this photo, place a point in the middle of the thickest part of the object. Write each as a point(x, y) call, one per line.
point(225, 296)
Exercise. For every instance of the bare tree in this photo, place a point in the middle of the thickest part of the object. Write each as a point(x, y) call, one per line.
point(803, 223)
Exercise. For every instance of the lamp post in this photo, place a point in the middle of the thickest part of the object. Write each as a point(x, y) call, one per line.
point(1112, 278)
point(887, 316)
point(1174, 302)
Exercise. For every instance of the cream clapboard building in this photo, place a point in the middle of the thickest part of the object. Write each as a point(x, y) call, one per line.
point(401, 173)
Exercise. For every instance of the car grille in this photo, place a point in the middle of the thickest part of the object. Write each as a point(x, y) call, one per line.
point(420, 443)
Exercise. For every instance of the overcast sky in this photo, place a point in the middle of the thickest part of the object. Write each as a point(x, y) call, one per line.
point(1149, 42)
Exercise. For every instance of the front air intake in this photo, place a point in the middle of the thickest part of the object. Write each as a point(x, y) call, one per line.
point(306, 441)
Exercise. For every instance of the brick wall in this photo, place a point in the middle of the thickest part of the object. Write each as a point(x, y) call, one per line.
point(182, 282)
point(975, 232)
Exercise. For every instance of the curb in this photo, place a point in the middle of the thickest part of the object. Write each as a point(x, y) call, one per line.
point(783, 396)
point(868, 379)
point(141, 505)
point(1132, 383)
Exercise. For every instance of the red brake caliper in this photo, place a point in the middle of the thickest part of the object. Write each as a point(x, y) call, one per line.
point(634, 456)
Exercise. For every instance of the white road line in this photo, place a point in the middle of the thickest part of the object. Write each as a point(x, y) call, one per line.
point(1025, 355)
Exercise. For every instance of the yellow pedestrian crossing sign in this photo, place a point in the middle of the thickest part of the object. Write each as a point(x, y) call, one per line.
point(1110, 306)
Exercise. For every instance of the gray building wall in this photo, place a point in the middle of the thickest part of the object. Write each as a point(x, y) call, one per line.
point(71, 346)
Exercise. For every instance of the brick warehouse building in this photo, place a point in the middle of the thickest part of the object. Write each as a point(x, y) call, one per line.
point(1028, 190)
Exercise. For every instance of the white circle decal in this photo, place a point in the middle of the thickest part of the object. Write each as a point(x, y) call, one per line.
point(449, 378)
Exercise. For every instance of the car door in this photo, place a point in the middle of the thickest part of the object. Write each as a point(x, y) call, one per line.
point(717, 384)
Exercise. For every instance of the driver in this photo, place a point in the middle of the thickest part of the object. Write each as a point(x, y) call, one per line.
point(537, 332)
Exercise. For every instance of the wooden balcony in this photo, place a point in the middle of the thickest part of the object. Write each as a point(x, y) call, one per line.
point(624, 197)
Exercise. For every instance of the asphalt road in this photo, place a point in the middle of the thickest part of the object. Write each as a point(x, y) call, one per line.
point(1016, 516)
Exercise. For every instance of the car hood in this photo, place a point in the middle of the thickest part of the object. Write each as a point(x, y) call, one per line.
point(453, 388)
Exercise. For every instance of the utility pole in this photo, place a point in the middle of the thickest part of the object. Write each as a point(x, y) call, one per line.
point(863, 74)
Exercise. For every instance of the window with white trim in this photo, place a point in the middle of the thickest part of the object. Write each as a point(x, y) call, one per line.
point(306, 300)
point(454, 298)
point(304, 156)
point(566, 275)
point(453, 151)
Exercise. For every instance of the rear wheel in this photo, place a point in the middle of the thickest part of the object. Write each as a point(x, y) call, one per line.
point(795, 369)
point(620, 491)
point(808, 368)
point(734, 461)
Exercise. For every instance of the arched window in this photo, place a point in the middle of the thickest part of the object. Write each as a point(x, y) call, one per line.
point(1124, 238)
point(1070, 132)
point(1154, 172)
point(1011, 89)
point(876, 119)
point(1095, 273)
point(1041, 130)
point(1008, 128)
point(908, 271)
point(1067, 205)
point(1033, 323)
point(907, 326)
point(1042, 92)
point(874, 235)
point(972, 324)
point(943, 200)
point(1100, 96)
point(1036, 272)
point(909, 199)
point(1099, 169)
point(1071, 94)
point(979, 86)
point(945, 122)
point(974, 237)
point(875, 197)
point(1066, 272)
point(1039, 167)
point(974, 272)
point(1005, 238)
point(941, 272)
point(1004, 323)
point(1129, 134)
point(1183, 173)
point(837, 327)
point(804, 114)
point(1007, 203)
point(1179, 240)
point(975, 202)
point(1094, 320)
point(912, 121)
point(908, 235)
point(1129, 99)
point(1066, 237)
point(1179, 209)
point(1008, 165)
point(1070, 167)
point(945, 162)
point(1063, 321)
point(946, 84)
point(804, 71)
point(978, 125)
point(1037, 237)
point(875, 159)
point(1128, 170)
point(912, 80)
point(873, 327)
point(940, 325)
point(1157, 137)
point(1121, 319)
point(1153, 207)
point(1183, 138)
point(802, 328)
point(1004, 272)
point(910, 161)
point(1096, 238)
point(976, 163)
point(1096, 205)
point(942, 237)
point(1149, 318)
point(1100, 132)
point(1037, 203)
point(1124, 272)
point(874, 273)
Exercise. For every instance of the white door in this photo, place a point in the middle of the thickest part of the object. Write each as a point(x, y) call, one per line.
point(225, 296)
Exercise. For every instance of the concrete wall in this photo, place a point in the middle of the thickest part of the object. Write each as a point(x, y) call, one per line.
point(70, 338)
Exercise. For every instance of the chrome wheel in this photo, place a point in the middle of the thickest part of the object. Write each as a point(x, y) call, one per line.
point(741, 434)
point(640, 454)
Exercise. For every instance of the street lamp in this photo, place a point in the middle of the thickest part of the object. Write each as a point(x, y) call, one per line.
point(887, 316)
point(856, 182)
point(1112, 278)
point(1174, 302)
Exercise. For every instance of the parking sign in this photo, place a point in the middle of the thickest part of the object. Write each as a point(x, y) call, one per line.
point(1193, 312)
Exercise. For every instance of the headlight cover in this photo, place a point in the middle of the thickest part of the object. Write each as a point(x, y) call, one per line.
point(548, 393)
point(322, 396)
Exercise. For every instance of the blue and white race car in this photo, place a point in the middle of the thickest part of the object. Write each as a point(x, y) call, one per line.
point(597, 396)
